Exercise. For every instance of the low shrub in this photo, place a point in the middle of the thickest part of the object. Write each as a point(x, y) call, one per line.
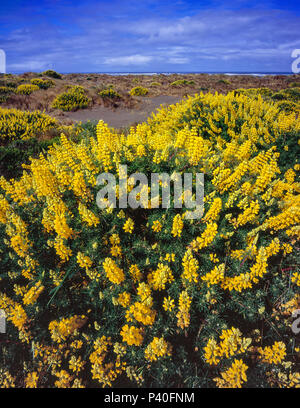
point(182, 82)
point(11, 84)
point(74, 98)
point(109, 93)
point(52, 74)
point(42, 83)
point(27, 89)
point(19, 152)
point(16, 124)
point(292, 94)
point(289, 106)
point(287, 98)
point(5, 91)
point(278, 96)
point(139, 91)
point(254, 92)
point(148, 297)
point(224, 81)
point(294, 84)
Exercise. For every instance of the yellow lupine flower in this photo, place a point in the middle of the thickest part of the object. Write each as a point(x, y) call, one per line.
point(177, 226)
point(113, 272)
point(183, 315)
point(129, 226)
point(157, 348)
point(31, 296)
point(234, 377)
point(132, 335)
point(168, 304)
point(157, 226)
point(274, 354)
point(190, 267)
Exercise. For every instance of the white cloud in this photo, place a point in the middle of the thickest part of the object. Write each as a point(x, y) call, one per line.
point(128, 60)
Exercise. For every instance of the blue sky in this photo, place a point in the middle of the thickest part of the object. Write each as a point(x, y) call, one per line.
point(149, 35)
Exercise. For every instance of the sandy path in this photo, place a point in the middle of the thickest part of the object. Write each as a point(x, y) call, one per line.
point(123, 117)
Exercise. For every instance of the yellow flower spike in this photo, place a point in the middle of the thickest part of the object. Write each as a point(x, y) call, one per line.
point(113, 272)
point(129, 226)
point(177, 226)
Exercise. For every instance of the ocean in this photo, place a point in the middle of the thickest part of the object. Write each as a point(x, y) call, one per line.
point(259, 74)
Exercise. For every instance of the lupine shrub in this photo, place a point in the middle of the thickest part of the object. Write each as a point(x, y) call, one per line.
point(182, 82)
point(139, 91)
point(42, 83)
point(147, 297)
point(17, 124)
point(288, 99)
point(73, 99)
point(52, 74)
point(109, 93)
point(5, 91)
point(27, 89)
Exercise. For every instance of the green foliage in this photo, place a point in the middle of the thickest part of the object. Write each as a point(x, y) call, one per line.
point(292, 94)
point(10, 84)
point(73, 99)
point(18, 152)
point(5, 91)
point(288, 106)
point(278, 96)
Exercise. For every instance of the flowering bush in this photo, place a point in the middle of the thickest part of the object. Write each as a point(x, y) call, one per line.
point(182, 82)
point(52, 74)
point(287, 99)
point(16, 124)
point(148, 297)
point(139, 91)
point(42, 83)
point(5, 91)
point(73, 99)
point(109, 93)
point(27, 89)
